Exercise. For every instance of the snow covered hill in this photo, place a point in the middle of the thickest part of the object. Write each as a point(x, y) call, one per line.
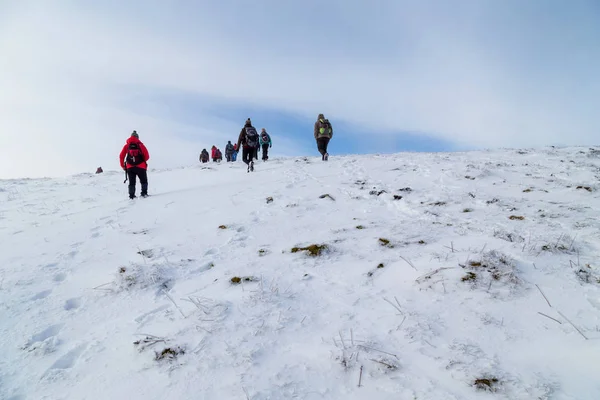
point(427, 276)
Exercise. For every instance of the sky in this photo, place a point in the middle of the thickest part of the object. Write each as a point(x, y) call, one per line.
point(76, 77)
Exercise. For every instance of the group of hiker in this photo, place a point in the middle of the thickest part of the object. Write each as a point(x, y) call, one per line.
point(264, 142)
point(134, 155)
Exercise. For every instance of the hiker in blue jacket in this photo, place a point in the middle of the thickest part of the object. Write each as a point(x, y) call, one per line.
point(265, 143)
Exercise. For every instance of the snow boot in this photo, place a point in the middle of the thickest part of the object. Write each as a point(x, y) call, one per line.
point(252, 166)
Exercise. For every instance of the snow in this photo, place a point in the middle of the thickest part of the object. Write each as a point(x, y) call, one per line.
point(453, 293)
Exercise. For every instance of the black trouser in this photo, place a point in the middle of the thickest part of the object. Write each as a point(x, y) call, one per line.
point(132, 174)
point(228, 156)
point(248, 154)
point(265, 151)
point(322, 143)
point(256, 152)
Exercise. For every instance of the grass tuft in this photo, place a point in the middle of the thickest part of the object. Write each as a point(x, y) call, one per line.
point(487, 384)
point(313, 250)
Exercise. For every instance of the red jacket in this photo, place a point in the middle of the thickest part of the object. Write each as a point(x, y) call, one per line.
point(122, 160)
point(213, 152)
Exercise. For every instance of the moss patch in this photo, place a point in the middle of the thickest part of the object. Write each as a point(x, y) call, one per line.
point(589, 189)
point(222, 227)
point(360, 227)
point(236, 280)
point(527, 190)
point(467, 210)
point(516, 217)
point(385, 242)
point(313, 250)
point(380, 265)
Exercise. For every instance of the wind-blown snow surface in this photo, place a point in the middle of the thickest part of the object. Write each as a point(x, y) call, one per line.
point(457, 296)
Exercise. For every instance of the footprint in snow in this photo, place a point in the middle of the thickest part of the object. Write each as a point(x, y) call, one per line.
point(51, 265)
point(72, 304)
point(61, 276)
point(45, 334)
point(95, 235)
point(45, 341)
point(65, 362)
point(211, 252)
point(42, 295)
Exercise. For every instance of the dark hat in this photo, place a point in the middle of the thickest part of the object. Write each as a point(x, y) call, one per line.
point(321, 116)
point(135, 134)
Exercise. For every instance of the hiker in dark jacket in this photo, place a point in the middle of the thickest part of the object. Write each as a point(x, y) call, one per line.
point(204, 156)
point(323, 134)
point(248, 139)
point(265, 144)
point(229, 151)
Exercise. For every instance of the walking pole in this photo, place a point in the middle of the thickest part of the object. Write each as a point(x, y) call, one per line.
point(126, 176)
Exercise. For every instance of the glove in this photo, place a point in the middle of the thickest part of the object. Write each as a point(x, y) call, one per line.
point(270, 145)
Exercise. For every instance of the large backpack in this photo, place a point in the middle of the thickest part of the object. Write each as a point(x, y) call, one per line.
point(265, 137)
point(135, 156)
point(325, 129)
point(251, 137)
point(228, 148)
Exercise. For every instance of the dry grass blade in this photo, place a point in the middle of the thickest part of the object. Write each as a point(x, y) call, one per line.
point(547, 316)
point(543, 295)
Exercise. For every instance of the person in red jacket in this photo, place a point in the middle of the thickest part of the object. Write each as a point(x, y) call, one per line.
point(133, 159)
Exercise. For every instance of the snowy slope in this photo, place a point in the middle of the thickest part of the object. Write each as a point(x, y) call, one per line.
point(415, 297)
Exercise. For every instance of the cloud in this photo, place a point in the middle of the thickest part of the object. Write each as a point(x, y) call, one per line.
point(77, 78)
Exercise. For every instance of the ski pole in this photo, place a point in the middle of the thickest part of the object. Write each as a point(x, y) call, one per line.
point(126, 176)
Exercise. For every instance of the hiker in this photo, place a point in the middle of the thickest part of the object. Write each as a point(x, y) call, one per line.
point(265, 144)
point(213, 153)
point(228, 151)
point(218, 155)
point(204, 156)
point(133, 159)
point(235, 152)
point(323, 133)
point(99, 170)
point(248, 139)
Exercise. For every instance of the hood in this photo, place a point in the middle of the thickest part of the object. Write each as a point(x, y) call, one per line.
point(133, 139)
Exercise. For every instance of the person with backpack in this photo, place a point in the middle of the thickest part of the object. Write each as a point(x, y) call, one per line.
point(213, 153)
point(265, 143)
point(133, 159)
point(228, 151)
point(323, 134)
point(204, 156)
point(235, 152)
point(248, 139)
point(218, 155)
